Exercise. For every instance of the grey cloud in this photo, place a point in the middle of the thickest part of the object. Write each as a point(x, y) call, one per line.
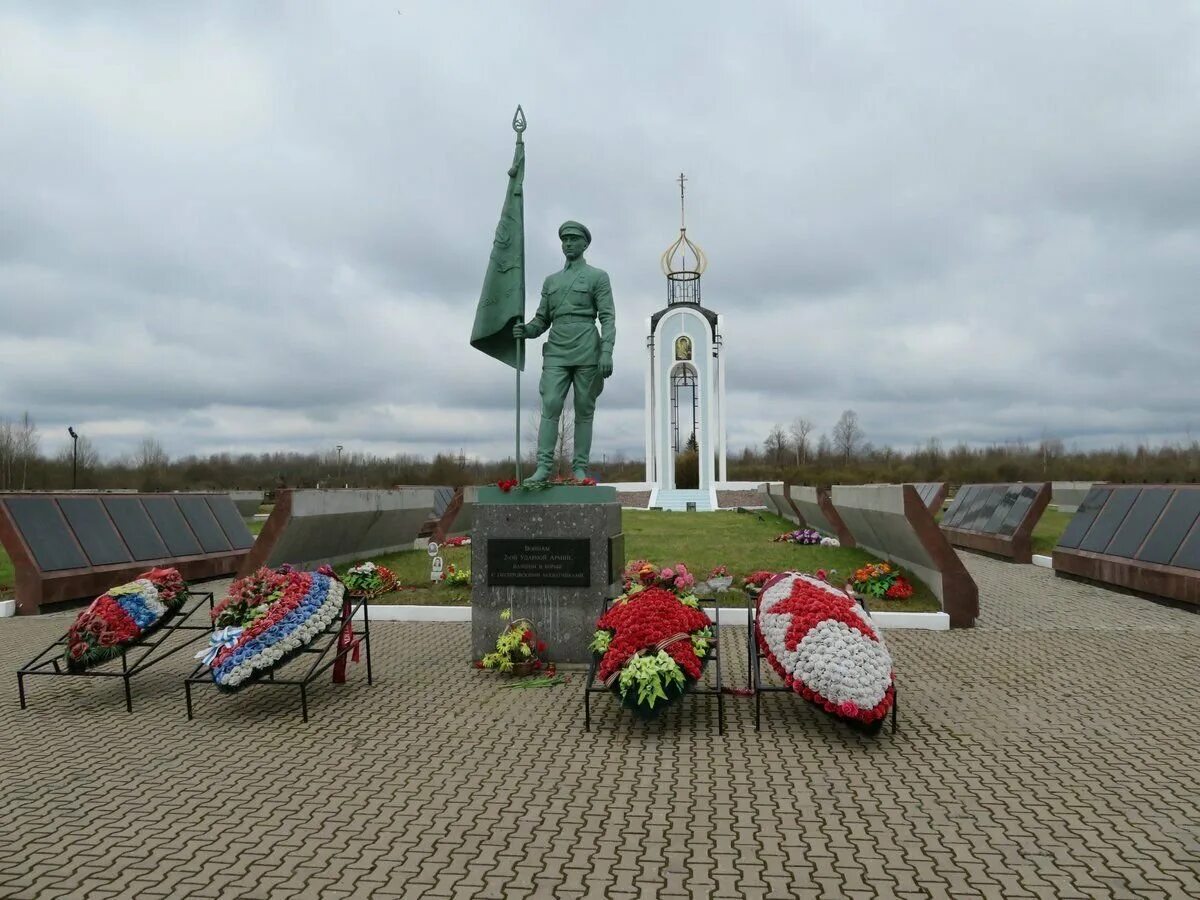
point(241, 226)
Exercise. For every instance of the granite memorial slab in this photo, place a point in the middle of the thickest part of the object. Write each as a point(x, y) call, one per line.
point(996, 518)
point(1145, 538)
point(71, 547)
point(551, 556)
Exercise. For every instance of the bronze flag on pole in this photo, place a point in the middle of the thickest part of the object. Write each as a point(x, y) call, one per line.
point(502, 300)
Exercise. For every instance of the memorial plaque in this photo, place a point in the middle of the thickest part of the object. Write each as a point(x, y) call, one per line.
point(539, 562)
point(958, 506)
point(172, 526)
point(1145, 512)
point(96, 533)
point(1001, 511)
point(231, 522)
point(1176, 522)
point(1084, 517)
point(203, 523)
point(1110, 519)
point(141, 537)
point(46, 533)
point(1188, 555)
point(1016, 513)
point(981, 509)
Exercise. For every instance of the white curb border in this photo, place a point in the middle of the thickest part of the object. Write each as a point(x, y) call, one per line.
point(387, 612)
point(8, 608)
point(1046, 562)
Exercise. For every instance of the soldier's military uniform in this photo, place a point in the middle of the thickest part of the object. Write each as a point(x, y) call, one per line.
point(572, 301)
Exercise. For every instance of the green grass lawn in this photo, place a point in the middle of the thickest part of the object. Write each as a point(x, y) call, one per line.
point(7, 576)
point(701, 541)
point(255, 525)
point(1049, 529)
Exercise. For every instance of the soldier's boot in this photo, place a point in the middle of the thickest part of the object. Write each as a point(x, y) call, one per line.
point(583, 447)
point(547, 438)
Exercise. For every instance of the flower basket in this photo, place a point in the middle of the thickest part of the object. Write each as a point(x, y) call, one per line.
point(370, 580)
point(123, 615)
point(517, 650)
point(823, 645)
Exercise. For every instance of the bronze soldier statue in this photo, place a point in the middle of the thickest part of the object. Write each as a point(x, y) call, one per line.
point(575, 355)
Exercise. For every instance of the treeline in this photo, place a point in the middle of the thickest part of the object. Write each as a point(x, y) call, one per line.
point(847, 458)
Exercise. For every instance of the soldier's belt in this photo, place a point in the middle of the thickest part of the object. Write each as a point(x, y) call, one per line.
point(575, 317)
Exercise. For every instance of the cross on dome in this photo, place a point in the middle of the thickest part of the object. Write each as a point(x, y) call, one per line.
point(675, 262)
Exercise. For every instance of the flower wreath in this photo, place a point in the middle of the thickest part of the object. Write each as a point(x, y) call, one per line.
point(652, 648)
point(301, 607)
point(123, 615)
point(823, 645)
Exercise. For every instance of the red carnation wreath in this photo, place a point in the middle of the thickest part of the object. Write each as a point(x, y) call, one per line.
point(652, 648)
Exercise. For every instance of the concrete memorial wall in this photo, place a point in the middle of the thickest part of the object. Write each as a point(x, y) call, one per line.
point(312, 527)
point(458, 517)
point(932, 494)
point(1142, 537)
point(776, 501)
point(815, 509)
point(893, 521)
point(74, 546)
point(1068, 495)
point(997, 518)
point(247, 502)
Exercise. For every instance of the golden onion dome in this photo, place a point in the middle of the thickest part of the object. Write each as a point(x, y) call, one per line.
point(683, 260)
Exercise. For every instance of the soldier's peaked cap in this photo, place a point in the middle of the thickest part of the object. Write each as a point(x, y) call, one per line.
point(575, 227)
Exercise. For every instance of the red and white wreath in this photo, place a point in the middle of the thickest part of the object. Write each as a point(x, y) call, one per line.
point(825, 647)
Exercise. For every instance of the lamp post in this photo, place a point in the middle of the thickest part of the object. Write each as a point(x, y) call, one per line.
point(74, 456)
point(339, 461)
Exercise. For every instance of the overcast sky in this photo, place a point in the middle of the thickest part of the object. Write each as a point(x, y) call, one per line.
point(240, 226)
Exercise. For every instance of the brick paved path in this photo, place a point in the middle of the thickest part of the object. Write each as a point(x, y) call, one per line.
point(1050, 752)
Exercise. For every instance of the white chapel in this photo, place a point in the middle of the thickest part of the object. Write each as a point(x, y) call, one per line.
point(685, 385)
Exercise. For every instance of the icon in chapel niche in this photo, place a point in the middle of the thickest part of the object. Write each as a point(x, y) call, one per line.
point(683, 347)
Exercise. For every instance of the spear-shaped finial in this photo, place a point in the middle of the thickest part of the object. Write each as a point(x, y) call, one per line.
point(518, 123)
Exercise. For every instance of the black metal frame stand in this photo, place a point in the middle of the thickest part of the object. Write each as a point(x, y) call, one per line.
point(755, 656)
point(50, 660)
point(714, 656)
point(319, 648)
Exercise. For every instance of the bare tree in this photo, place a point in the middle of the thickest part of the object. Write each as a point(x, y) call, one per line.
point(564, 444)
point(1049, 449)
point(150, 456)
point(847, 435)
point(800, 429)
point(88, 455)
point(776, 444)
point(25, 447)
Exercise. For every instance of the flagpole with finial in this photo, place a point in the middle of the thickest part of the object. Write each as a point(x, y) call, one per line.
point(519, 125)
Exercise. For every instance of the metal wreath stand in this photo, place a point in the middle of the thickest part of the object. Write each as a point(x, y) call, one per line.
point(339, 635)
point(49, 661)
point(755, 656)
point(591, 686)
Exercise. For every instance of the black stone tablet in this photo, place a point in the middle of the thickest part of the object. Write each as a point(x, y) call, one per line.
point(171, 525)
point(95, 531)
point(45, 531)
point(203, 523)
point(138, 532)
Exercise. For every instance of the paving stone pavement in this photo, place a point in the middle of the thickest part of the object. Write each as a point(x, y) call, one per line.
point(1050, 752)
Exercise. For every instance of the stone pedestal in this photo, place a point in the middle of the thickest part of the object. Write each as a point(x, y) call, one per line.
point(550, 556)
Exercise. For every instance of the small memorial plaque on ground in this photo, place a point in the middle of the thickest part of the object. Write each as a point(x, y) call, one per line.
point(539, 562)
